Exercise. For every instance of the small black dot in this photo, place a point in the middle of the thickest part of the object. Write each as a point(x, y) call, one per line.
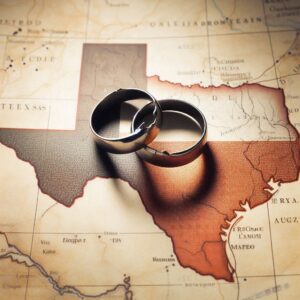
point(24, 63)
point(36, 70)
point(20, 29)
point(173, 265)
point(277, 61)
point(289, 53)
point(245, 279)
point(10, 65)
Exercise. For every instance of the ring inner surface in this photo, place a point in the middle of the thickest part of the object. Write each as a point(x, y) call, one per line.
point(107, 115)
point(179, 131)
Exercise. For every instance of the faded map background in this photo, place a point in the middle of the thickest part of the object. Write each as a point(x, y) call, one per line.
point(73, 228)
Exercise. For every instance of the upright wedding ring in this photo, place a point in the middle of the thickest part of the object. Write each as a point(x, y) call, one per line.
point(142, 135)
point(164, 158)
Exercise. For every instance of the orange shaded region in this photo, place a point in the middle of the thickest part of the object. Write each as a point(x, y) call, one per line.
point(193, 203)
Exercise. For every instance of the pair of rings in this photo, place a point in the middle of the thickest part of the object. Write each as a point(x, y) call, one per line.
point(144, 132)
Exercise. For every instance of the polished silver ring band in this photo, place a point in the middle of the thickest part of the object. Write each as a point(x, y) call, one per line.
point(143, 133)
point(176, 159)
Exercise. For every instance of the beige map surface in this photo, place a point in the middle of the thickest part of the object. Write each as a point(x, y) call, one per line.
point(204, 51)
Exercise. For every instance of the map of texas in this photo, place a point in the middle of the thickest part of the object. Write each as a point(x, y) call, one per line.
point(190, 204)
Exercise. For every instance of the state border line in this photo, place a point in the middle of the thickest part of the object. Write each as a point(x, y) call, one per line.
point(278, 85)
point(208, 43)
point(268, 209)
point(37, 201)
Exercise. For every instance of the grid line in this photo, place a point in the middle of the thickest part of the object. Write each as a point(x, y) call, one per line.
point(105, 38)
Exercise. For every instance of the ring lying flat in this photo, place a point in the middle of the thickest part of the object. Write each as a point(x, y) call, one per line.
point(141, 136)
point(163, 158)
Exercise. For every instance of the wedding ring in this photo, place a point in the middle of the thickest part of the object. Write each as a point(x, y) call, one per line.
point(142, 135)
point(164, 158)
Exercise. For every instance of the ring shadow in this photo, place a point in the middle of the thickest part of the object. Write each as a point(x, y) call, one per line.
point(148, 185)
point(186, 200)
